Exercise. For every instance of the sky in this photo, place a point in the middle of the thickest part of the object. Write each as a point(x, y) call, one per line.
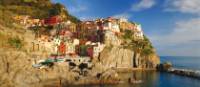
point(173, 26)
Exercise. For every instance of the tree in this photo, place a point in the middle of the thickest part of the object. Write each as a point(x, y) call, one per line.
point(147, 51)
point(56, 9)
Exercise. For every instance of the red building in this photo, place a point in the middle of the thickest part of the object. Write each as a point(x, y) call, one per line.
point(90, 52)
point(52, 20)
point(62, 48)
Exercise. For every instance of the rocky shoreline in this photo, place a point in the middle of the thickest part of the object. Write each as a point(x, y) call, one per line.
point(167, 67)
point(14, 70)
point(59, 83)
point(185, 72)
point(85, 81)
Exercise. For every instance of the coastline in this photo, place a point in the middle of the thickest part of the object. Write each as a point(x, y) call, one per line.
point(58, 83)
point(95, 81)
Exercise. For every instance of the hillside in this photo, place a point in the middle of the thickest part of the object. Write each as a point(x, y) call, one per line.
point(35, 8)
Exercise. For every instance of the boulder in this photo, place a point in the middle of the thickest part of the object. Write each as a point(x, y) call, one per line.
point(164, 66)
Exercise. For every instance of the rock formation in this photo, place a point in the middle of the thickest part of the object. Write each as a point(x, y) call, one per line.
point(125, 58)
point(116, 55)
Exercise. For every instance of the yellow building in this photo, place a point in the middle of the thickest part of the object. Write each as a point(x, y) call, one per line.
point(126, 25)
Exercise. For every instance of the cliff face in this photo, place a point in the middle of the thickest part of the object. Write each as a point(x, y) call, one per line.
point(16, 71)
point(125, 58)
point(116, 55)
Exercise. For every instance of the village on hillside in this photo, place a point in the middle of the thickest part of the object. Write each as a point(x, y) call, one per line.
point(82, 41)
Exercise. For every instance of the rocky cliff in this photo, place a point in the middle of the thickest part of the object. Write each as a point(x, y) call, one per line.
point(125, 58)
point(128, 53)
point(16, 71)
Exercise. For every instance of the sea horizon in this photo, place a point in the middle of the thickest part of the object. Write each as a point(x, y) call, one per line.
point(181, 56)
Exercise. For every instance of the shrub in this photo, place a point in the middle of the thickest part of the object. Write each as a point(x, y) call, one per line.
point(83, 50)
point(15, 42)
point(128, 34)
point(147, 51)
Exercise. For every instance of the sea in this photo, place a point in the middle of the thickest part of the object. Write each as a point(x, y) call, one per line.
point(162, 79)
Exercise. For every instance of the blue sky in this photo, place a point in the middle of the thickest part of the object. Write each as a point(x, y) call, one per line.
point(173, 26)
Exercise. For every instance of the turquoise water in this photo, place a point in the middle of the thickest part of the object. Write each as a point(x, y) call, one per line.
point(158, 79)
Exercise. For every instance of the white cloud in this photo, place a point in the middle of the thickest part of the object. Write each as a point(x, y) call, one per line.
point(185, 37)
point(184, 6)
point(143, 4)
point(185, 31)
point(184, 40)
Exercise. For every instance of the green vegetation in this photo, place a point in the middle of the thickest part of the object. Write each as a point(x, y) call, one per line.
point(147, 47)
point(35, 8)
point(139, 46)
point(15, 42)
point(40, 9)
point(83, 50)
point(128, 34)
point(147, 51)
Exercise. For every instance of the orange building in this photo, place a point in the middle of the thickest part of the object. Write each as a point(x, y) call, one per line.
point(62, 48)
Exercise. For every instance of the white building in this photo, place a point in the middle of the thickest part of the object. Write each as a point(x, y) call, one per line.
point(57, 41)
point(71, 48)
point(76, 41)
point(139, 27)
point(112, 25)
point(115, 27)
point(123, 20)
point(138, 32)
point(97, 49)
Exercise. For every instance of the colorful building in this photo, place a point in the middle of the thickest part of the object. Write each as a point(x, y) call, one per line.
point(111, 24)
point(71, 47)
point(62, 48)
point(70, 26)
point(52, 20)
point(97, 49)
